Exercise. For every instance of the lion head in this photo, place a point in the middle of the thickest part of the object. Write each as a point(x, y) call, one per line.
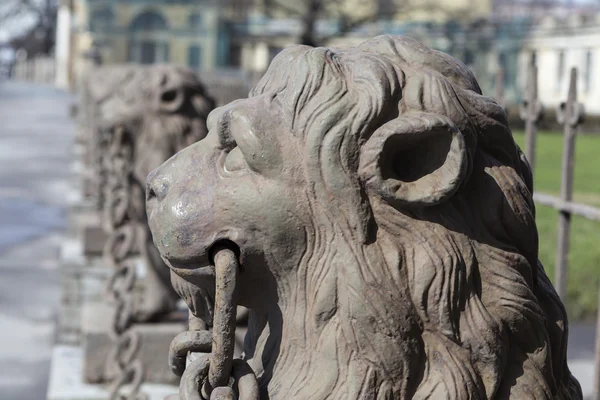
point(385, 225)
point(163, 108)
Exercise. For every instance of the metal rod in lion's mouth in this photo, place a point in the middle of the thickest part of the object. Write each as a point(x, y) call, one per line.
point(221, 359)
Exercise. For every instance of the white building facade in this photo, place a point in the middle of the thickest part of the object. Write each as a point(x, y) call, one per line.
point(557, 45)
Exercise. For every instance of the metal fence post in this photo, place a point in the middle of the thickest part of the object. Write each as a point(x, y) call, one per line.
point(530, 111)
point(499, 88)
point(570, 115)
point(596, 395)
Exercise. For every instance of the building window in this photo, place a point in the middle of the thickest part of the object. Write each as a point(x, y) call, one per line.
point(195, 57)
point(560, 71)
point(149, 21)
point(148, 52)
point(101, 20)
point(195, 21)
point(147, 41)
point(587, 72)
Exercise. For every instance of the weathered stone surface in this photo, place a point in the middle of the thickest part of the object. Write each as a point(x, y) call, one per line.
point(153, 352)
point(385, 227)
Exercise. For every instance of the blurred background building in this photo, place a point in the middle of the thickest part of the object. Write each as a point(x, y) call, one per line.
point(235, 39)
point(230, 43)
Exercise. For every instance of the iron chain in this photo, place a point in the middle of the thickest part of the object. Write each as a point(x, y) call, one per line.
point(213, 372)
point(123, 365)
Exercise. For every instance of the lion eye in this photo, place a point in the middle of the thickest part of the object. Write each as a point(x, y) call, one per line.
point(234, 161)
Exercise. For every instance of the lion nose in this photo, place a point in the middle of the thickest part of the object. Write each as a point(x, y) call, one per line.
point(157, 186)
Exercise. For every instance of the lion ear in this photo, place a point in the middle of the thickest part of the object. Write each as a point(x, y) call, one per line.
point(415, 160)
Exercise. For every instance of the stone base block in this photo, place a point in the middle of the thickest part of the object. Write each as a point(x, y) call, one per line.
point(73, 257)
point(66, 379)
point(89, 229)
point(89, 187)
point(87, 225)
point(154, 345)
point(94, 238)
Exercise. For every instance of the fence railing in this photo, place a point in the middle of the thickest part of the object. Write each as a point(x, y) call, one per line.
point(570, 115)
point(38, 70)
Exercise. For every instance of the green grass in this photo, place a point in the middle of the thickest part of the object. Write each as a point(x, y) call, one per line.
point(584, 258)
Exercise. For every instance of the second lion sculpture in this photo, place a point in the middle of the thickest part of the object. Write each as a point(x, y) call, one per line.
point(385, 225)
point(142, 115)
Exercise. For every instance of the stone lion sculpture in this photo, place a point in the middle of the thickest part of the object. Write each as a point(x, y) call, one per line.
point(163, 108)
point(158, 110)
point(384, 221)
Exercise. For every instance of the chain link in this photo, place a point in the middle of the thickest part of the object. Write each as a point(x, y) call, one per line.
point(101, 162)
point(212, 372)
point(123, 365)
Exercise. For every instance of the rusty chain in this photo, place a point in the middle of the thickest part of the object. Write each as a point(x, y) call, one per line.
point(212, 373)
point(101, 161)
point(123, 365)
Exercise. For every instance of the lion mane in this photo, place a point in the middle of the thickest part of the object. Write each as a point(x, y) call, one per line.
point(483, 318)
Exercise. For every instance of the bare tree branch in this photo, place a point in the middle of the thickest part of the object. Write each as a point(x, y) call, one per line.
point(39, 21)
point(19, 8)
point(308, 12)
point(348, 26)
point(285, 8)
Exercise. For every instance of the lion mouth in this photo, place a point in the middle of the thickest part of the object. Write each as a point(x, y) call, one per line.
point(203, 265)
point(195, 268)
point(197, 284)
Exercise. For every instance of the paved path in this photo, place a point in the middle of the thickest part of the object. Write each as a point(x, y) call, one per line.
point(582, 338)
point(35, 139)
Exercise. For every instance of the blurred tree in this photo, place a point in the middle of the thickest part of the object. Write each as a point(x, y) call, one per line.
point(348, 14)
point(40, 18)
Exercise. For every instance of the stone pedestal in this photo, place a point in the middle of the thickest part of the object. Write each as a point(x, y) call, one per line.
point(88, 186)
point(94, 237)
point(154, 345)
point(66, 379)
point(87, 225)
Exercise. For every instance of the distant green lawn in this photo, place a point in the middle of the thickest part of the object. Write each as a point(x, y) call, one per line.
point(584, 257)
